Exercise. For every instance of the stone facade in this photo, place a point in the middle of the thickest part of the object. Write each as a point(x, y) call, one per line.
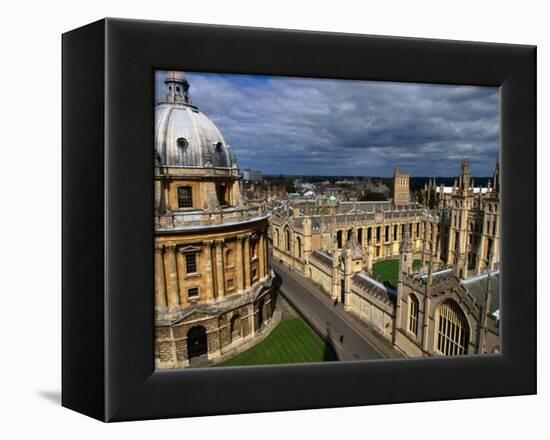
point(423, 300)
point(378, 227)
point(463, 232)
point(450, 306)
point(213, 285)
point(400, 188)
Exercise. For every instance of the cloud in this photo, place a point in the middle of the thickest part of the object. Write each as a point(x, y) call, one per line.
point(340, 127)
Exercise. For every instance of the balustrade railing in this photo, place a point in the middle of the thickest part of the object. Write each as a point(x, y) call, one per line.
point(199, 218)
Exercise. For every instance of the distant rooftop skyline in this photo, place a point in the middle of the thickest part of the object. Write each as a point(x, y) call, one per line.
point(325, 127)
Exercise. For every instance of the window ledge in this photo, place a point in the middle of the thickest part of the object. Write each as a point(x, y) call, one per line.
point(192, 275)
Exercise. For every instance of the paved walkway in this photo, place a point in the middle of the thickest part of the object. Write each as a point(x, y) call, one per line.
point(351, 338)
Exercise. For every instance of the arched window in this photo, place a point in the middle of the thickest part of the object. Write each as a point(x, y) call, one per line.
point(222, 191)
point(260, 315)
point(452, 331)
point(197, 342)
point(287, 239)
point(413, 314)
point(185, 197)
point(229, 258)
point(339, 239)
point(236, 327)
point(299, 247)
point(278, 241)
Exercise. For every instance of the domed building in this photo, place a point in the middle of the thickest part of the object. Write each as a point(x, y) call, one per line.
point(213, 286)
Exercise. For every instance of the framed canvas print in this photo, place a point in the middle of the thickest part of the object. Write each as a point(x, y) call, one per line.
point(260, 220)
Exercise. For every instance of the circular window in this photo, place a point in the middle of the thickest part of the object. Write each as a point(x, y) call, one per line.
point(182, 143)
point(219, 146)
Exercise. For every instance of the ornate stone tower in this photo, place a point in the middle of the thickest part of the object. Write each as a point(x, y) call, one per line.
point(462, 202)
point(352, 256)
point(406, 253)
point(400, 191)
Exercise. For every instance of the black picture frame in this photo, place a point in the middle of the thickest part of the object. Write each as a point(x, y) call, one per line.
point(108, 231)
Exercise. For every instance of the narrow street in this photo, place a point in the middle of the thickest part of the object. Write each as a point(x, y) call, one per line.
point(351, 338)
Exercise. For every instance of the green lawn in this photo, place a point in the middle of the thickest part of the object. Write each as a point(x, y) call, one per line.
point(388, 270)
point(292, 341)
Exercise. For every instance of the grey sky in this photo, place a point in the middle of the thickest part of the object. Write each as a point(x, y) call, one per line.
point(339, 127)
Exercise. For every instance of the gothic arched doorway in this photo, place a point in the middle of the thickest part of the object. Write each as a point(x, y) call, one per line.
point(197, 342)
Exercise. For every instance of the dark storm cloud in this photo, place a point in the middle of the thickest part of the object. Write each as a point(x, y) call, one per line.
point(333, 127)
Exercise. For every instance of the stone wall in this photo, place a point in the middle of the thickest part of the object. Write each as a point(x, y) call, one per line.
point(377, 315)
point(320, 274)
point(226, 332)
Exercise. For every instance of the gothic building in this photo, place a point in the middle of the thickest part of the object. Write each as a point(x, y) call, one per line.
point(213, 286)
point(447, 306)
point(439, 313)
point(473, 238)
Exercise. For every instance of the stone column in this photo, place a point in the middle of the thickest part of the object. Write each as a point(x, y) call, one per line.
point(481, 246)
point(208, 275)
point(465, 262)
point(335, 294)
point(247, 261)
point(266, 254)
point(347, 282)
point(220, 276)
point(438, 239)
point(160, 286)
point(426, 324)
point(180, 265)
point(424, 240)
point(369, 259)
point(433, 247)
point(496, 244)
point(240, 263)
point(261, 255)
point(172, 277)
point(251, 323)
point(450, 243)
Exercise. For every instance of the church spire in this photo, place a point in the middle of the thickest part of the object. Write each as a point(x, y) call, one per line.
point(464, 178)
point(496, 178)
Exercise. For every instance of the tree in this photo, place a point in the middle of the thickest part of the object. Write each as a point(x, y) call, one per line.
point(370, 196)
point(290, 188)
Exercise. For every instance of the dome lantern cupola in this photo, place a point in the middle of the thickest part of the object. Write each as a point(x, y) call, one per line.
point(185, 137)
point(177, 87)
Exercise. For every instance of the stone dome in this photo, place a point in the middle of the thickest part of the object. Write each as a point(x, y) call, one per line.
point(184, 137)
